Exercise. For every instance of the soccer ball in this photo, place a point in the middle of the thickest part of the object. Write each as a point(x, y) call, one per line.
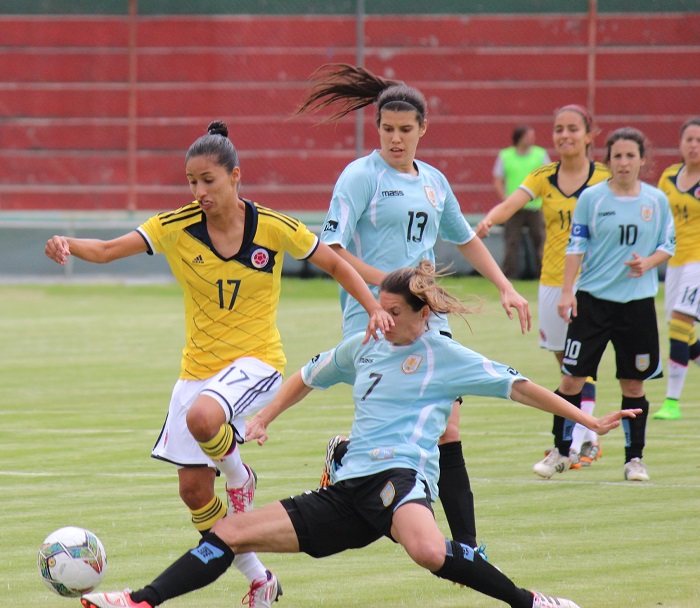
point(72, 561)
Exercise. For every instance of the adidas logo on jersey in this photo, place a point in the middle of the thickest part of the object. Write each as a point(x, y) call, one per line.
point(198, 260)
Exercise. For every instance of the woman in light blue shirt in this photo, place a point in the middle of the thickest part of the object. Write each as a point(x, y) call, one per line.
point(387, 482)
point(387, 211)
point(622, 230)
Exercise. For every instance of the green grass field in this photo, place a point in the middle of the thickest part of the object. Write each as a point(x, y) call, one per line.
point(86, 377)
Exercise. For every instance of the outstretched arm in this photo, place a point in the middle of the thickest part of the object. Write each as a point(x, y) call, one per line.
point(329, 261)
point(503, 211)
point(58, 248)
point(292, 391)
point(534, 395)
point(476, 253)
point(370, 274)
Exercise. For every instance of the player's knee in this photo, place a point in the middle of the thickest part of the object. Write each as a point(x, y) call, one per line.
point(428, 555)
point(203, 422)
point(194, 495)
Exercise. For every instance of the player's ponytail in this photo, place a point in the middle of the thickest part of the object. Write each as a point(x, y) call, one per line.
point(351, 88)
point(417, 285)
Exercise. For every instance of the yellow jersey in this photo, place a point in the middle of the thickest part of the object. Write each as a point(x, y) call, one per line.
point(686, 214)
point(230, 303)
point(558, 210)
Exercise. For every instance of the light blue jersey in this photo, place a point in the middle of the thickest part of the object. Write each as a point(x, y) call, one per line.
point(389, 219)
point(607, 229)
point(403, 397)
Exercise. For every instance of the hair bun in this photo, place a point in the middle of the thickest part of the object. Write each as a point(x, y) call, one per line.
point(218, 127)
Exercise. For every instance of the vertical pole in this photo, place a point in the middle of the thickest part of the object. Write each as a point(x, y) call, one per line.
point(592, 50)
point(132, 110)
point(359, 114)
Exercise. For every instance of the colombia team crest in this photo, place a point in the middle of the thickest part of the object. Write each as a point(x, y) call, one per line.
point(411, 364)
point(259, 258)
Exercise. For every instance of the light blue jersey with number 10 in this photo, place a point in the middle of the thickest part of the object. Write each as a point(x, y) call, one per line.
point(389, 219)
point(608, 229)
point(403, 397)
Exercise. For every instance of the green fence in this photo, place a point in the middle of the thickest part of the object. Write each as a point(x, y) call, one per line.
point(337, 7)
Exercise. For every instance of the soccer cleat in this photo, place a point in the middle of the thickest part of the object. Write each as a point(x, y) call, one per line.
point(240, 499)
point(575, 459)
point(636, 470)
point(112, 599)
point(590, 452)
point(263, 591)
point(552, 463)
point(547, 601)
point(329, 466)
point(669, 411)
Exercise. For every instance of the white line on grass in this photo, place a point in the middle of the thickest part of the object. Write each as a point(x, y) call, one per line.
point(286, 477)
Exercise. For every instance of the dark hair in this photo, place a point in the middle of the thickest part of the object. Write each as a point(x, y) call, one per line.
point(691, 122)
point(353, 88)
point(519, 132)
point(626, 133)
point(217, 145)
point(583, 113)
point(418, 287)
point(580, 110)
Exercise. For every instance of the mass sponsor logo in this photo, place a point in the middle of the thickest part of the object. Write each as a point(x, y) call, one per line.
point(392, 193)
point(330, 226)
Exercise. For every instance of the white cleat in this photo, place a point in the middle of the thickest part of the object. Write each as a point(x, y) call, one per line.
point(552, 463)
point(636, 470)
point(263, 592)
point(239, 500)
point(111, 599)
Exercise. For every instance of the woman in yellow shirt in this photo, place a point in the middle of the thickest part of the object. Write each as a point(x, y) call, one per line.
point(558, 184)
point(681, 183)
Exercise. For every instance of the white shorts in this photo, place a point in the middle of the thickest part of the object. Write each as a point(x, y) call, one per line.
point(682, 290)
point(242, 389)
point(552, 326)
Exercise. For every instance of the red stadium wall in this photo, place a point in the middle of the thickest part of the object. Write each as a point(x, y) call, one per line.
point(69, 115)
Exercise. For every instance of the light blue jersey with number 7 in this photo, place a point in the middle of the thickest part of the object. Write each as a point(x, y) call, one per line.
point(403, 397)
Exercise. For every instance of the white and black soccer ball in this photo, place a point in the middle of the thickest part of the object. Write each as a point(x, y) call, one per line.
point(72, 561)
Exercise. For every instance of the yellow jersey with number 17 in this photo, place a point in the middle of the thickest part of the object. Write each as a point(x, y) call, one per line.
point(230, 303)
point(558, 209)
point(685, 207)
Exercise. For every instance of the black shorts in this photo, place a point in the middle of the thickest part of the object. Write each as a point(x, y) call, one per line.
point(630, 326)
point(352, 513)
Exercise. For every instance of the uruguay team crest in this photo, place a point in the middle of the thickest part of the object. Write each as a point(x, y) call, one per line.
point(411, 364)
point(641, 362)
point(430, 195)
point(388, 494)
point(647, 212)
point(259, 258)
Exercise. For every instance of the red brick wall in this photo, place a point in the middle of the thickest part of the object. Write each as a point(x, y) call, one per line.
point(64, 97)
